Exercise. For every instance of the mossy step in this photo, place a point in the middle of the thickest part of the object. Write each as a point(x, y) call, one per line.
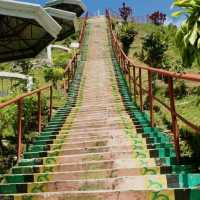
point(89, 143)
point(108, 173)
point(147, 182)
point(169, 194)
point(105, 164)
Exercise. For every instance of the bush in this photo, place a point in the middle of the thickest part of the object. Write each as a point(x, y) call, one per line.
point(53, 74)
point(126, 35)
point(8, 128)
point(180, 89)
point(154, 49)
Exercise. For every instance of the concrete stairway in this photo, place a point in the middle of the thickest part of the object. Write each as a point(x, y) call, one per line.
point(99, 146)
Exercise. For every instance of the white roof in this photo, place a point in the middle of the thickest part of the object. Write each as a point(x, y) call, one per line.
point(61, 13)
point(77, 3)
point(30, 11)
point(13, 75)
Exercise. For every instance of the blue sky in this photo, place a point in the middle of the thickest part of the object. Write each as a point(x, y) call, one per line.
point(140, 7)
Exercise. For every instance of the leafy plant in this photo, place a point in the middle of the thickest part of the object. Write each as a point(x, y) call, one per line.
point(157, 18)
point(23, 66)
point(180, 89)
point(126, 35)
point(154, 49)
point(53, 74)
point(188, 35)
point(125, 12)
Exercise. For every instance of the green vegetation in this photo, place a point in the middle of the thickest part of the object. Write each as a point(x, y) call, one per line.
point(8, 128)
point(53, 74)
point(126, 34)
point(188, 37)
point(153, 49)
point(156, 46)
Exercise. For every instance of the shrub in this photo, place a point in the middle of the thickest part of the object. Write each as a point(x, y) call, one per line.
point(53, 74)
point(180, 89)
point(154, 49)
point(126, 35)
point(8, 128)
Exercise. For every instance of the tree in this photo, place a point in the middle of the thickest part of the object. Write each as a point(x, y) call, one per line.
point(53, 74)
point(126, 35)
point(188, 35)
point(157, 18)
point(154, 48)
point(125, 12)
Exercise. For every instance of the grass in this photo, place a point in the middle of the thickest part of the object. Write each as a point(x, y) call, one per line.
point(187, 106)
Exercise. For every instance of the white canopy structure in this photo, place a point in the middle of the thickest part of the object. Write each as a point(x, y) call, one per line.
point(10, 75)
point(49, 50)
point(25, 29)
point(76, 6)
point(66, 19)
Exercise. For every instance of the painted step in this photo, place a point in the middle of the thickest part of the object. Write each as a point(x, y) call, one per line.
point(148, 182)
point(169, 194)
point(107, 173)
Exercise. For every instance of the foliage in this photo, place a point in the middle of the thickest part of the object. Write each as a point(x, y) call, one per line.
point(154, 49)
point(180, 89)
point(126, 35)
point(125, 12)
point(171, 64)
point(53, 74)
point(188, 36)
point(8, 127)
point(23, 66)
point(60, 57)
point(157, 18)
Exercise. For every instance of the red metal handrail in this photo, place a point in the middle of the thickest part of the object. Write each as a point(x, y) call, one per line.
point(19, 101)
point(126, 63)
point(70, 68)
point(81, 36)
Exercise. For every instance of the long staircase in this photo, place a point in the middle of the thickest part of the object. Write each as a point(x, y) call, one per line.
point(99, 146)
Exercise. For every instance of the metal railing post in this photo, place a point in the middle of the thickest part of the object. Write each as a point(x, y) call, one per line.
point(19, 119)
point(150, 95)
point(39, 112)
point(175, 129)
point(141, 90)
point(134, 84)
point(50, 102)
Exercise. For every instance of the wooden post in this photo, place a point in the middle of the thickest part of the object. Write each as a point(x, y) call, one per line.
point(174, 118)
point(39, 112)
point(134, 84)
point(50, 101)
point(140, 88)
point(150, 95)
point(129, 77)
point(20, 113)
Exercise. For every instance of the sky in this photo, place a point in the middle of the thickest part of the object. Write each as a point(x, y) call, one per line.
point(140, 7)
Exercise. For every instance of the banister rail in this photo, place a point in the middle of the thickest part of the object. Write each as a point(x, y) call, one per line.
point(126, 63)
point(19, 102)
point(70, 68)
